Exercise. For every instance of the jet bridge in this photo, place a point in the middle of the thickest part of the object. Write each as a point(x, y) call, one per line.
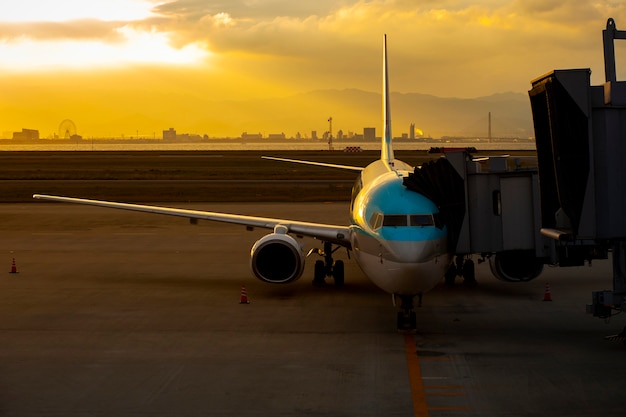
point(490, 207)
point(568, 209)
point(502, 216)
point(581, 148)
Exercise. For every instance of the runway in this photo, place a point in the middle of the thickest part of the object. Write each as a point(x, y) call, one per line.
point(129, 314)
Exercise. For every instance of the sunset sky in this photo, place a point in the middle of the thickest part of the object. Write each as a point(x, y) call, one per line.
point(120, 66)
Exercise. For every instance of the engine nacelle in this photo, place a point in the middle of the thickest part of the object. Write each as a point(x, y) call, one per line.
point(516, 265)
point(277, 258)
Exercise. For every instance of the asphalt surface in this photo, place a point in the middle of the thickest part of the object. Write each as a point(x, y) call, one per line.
point(114, 313)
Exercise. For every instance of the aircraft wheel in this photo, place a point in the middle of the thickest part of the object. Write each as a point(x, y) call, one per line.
point(400, 320)
point(407, 322)
point(338, 273)
point(319, 273)
point(450, 275)
point(469, 272)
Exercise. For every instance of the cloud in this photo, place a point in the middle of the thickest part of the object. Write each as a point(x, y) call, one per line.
point(248, 9)
point(459, 47)
point(66, 10)
point(443, 47)
point(301, 29)
point(84, 29)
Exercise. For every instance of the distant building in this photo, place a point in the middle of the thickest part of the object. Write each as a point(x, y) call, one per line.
point(26, 134)
point(276, 136)
point(314, 134)
point(340, 135)
point(187, 137)
point(169, 134)
point(369, 133)
point(251, 136)
point(412, 131)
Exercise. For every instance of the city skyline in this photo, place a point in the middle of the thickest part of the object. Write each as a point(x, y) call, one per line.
point(143, 61)
point(427, 114)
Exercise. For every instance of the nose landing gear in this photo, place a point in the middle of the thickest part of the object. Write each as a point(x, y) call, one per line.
point(407, 321)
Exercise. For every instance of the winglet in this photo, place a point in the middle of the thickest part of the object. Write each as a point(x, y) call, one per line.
point(386, 150)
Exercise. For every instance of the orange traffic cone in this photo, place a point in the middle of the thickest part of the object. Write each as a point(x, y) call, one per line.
point(244, 296)
point(13, 267)
point(547, 296)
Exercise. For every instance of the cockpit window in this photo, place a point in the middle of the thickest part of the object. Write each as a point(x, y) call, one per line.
point(395, 220)
point(421, 220)
point(378, 220)
point(438, 221)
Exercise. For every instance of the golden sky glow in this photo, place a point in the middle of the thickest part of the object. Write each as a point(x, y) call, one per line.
point(119, 66)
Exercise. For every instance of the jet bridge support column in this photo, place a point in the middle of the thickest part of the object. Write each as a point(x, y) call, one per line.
point(604, 302)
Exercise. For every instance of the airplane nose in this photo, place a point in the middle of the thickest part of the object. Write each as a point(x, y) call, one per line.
point(414, 252)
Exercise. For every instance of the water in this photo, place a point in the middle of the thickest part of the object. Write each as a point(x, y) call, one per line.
point(256, 146)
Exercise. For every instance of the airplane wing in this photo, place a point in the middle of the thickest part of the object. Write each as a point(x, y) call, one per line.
point(321, 164)
point(339, 235)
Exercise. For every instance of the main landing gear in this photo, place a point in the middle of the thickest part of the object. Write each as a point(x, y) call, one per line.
point(407, 321)
point(463, 268)
point(328, 267)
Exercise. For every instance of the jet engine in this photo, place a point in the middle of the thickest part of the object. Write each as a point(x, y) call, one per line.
point(516, 265)
point(277, 258)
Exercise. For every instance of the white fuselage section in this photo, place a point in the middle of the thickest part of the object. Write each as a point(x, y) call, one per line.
point(395, 236)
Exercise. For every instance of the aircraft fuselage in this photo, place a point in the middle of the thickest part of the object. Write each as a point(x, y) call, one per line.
point(396, 237)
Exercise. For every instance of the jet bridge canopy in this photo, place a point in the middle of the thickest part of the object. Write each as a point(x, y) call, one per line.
point(581, 147)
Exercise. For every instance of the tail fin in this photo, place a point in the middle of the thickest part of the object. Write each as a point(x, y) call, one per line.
point(386, 154)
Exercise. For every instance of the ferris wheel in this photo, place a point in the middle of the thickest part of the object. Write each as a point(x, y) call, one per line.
point(67, 129)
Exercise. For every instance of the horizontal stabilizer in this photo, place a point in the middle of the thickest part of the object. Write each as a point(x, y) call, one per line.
point(321, 164)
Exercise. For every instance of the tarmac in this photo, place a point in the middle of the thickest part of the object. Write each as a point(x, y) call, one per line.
point(114, 313)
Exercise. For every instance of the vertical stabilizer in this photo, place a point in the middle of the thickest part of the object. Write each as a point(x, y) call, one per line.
point(386, 154)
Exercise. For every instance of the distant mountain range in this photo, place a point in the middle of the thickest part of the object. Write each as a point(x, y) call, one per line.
point(352, 110)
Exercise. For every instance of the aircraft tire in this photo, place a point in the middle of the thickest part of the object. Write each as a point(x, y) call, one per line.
point(450, 275)
point(319, 273)
point(338, 273)
point(469, 272)
point(405, 323)
point(400, 320)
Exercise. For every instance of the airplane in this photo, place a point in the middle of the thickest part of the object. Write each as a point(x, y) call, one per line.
point(398, 236)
